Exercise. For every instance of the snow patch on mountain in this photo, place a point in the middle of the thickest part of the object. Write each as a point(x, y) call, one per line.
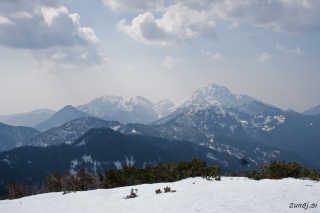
point(130, 162)
point(118, 165)
point(82, 143)
point(269, 122)
point(87, 158)
point(210, 156)
point(73, 165)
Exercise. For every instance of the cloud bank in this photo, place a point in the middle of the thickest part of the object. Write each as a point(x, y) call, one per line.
point(185, 20)
point(48, 31)
point(179, 24)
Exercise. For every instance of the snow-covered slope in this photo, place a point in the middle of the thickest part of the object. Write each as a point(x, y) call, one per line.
point(256, 116)
point(209, 120)
point(215, 95)
point(230, 195)
point(66, 114)
point(136, 110)
point(164, 107)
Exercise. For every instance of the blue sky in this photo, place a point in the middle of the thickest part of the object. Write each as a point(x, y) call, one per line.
point(54, 53)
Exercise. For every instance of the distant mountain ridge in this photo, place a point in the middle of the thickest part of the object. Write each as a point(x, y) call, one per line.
point(70, 131)
point(64, 115)
point(29, 119)
point(312, 111)
point(12, 136)
point(136, 110)
point(211, 117)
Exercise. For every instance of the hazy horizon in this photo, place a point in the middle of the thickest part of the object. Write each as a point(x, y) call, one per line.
point(57, 53)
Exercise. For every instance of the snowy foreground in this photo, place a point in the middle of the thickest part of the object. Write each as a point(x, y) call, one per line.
point(193, 195)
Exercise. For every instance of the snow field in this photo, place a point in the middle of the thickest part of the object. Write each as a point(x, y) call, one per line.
point(193, 195)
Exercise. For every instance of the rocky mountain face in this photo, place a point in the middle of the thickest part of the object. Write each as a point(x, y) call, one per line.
point(136, 110)
point(29, 119)
point(66, 114)
point(12, 136)
point(204, 121)
point(312, 111)
point(70, 131)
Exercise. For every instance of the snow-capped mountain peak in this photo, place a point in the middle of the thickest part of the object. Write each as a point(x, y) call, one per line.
point(215, 95)
point(137, 110)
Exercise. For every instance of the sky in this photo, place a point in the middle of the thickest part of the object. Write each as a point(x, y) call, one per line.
point(56, 53)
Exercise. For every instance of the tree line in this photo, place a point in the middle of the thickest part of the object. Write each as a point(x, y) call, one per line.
point(170, 172)
point(128, 176)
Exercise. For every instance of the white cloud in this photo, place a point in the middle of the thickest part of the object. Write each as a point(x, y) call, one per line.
point(264, 57)
point(185, 20)
point(296, 51)
point(281, 47)
point(48, 31)
point(213, 56)
point(179, 24)
point(206, 52)
point(217, 56)
point(59, 55)
point(4, 20)
point(133, 5)
point(279, 15)
point(170, 63)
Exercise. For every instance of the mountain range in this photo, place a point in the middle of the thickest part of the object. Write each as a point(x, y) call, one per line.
point(136, 110)
point(217, 129)
point(212, 124)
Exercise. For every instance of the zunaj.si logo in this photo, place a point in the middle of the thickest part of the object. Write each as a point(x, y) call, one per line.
point(303, 205)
